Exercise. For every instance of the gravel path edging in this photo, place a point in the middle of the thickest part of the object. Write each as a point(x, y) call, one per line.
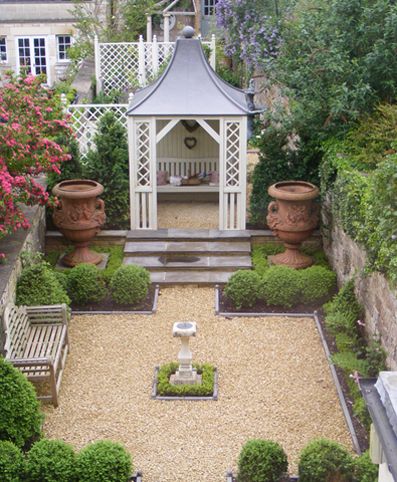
point(327, 352)
point(124, 312)
point(213, 397)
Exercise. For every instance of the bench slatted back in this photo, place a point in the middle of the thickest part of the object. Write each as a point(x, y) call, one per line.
point(46, 314)
point(187, 167)
point(16, 327)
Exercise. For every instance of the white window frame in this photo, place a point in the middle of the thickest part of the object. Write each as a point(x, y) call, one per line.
point(5, 61)
point(31, 37)
point(206, 5)
point(57, 46)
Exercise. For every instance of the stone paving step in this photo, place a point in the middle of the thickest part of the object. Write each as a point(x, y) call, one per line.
point(190, 277)
point(187, 234)
point(133, 248)
point(189, 256)
point(190, 262)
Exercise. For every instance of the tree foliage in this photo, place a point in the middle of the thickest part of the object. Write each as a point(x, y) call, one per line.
point(31, 119)
point(108, 165)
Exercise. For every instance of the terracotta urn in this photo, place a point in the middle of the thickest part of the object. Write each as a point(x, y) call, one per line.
point(292, 217)
point(79, 217)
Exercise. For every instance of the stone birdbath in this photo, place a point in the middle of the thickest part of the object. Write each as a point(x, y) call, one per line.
point(186, 374)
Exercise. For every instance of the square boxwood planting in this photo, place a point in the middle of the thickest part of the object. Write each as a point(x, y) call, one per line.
point(164, 390)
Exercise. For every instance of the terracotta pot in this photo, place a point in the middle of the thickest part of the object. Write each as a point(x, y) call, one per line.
point(79, 216)
point(292, 218)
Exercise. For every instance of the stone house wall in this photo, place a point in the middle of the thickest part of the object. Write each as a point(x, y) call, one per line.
point(348, 259)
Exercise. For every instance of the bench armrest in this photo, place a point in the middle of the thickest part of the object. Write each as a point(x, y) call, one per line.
point(48, 314)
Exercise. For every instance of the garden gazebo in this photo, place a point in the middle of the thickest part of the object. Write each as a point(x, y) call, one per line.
point(188, 122)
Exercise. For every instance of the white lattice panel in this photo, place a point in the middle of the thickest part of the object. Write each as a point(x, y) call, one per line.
point(232, 154)
point(119, 65)
point(143, 154)
point(85, 118)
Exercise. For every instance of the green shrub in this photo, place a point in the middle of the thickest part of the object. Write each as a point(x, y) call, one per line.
point(277, 162)
point(39, 285)
point(364, 469)
point(343, 311)
point(62, 278)
point(261, 460)
point(375, 357)
point(104, 461)
point(115, 260)
point(12, 464)
point(85, 284)
point(323, 460)
point(20, 415)
point(243, 288)
point(345, 342)
point(260, 254)
point(344, 302)
point(342, 323)
point(108, 165)
point(206, 388)
point(349, 363)
point(130, 284)
point(51, 461)
point(280, 286)
point(316, 283)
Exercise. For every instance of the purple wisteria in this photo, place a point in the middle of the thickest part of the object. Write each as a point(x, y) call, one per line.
point(250, 34)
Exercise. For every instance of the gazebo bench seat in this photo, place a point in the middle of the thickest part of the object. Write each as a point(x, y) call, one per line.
point(168, 188)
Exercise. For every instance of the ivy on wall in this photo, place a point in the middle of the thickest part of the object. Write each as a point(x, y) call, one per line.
point(361, 174)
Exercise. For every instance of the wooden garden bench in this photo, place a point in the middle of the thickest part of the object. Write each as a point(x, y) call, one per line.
point(37, 344)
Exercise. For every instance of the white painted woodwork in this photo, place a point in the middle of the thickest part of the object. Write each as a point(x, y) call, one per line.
point(142, 154)
point(172, 145)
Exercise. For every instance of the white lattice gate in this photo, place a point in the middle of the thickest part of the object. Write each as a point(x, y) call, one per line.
point(143, 195)
point(232, 189)
point(124, 65)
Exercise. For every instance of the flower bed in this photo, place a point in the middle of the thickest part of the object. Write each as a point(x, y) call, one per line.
point(164, 390)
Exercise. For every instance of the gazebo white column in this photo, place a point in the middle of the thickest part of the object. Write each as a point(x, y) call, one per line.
point(166, 18)
point(142, 157)
point(232, 166)
point(149, 31)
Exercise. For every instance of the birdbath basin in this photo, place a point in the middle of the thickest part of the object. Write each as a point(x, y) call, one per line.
point(186, 374)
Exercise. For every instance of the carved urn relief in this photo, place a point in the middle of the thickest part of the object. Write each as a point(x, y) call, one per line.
point(292, 217)
point(79, 217)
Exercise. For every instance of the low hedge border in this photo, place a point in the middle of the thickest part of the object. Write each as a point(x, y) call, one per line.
point(163, 390)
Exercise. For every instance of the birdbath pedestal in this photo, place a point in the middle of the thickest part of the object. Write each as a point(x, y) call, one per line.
point(186, 374)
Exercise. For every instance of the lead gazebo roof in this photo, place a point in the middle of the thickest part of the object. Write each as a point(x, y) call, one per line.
point(189, 87)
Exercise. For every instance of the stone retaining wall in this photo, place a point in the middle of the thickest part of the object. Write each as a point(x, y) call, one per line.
point(31, 240)
point(348, 259)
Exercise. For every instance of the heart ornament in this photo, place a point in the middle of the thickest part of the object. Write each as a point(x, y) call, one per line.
point(190, 142)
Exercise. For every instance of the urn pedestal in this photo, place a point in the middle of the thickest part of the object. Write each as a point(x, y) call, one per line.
point(79, 217)
point(292, 218)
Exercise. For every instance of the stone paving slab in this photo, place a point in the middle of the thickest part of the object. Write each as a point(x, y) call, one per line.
point(190, 277)
point(210, 262)
point(187, 247)
point(207, 234)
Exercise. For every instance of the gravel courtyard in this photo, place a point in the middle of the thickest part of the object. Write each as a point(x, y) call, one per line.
point(274, 383)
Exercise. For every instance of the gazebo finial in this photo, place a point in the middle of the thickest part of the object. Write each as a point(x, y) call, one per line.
point(188, 32)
